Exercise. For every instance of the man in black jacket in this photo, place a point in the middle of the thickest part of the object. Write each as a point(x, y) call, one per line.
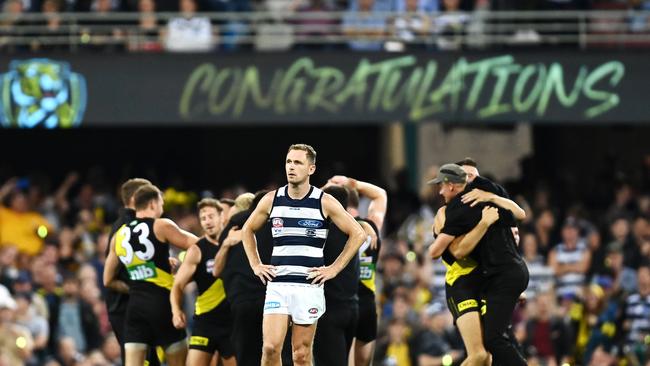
point(505, 275)
point(244, 289)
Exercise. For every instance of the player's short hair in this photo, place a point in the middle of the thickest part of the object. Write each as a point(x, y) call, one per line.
point(311, 153)
point(146, 194)
point(340, 193)
point(209, 202)
point(468, 161)
point(227, 202)
point(129, 187)
point(353, 198)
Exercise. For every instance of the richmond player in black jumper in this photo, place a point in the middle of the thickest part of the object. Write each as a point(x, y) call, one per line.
point(212, 324)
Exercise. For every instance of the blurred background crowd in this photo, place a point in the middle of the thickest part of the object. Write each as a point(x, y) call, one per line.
point(362, 25)
point(588, 302)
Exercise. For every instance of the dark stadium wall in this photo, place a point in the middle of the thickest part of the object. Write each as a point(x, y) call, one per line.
point(583, 163)
point(191, 158)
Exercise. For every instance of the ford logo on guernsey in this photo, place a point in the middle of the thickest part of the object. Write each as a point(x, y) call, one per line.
point(310, 223)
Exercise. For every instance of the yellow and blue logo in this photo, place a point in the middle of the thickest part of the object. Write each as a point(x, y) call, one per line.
point(42, 93)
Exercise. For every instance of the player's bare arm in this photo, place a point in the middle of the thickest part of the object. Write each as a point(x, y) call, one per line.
point(370, 233)
point(110, 271)
point(442, 241)
point(462, 248)
point(377, 195)
point(182, 278)
point(234, 237)
point(255, 222)
point(167, 231)
point(476, 196)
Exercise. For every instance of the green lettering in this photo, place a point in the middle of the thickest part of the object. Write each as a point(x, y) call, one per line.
point(204, 75)
point(214, 106)
point(386, 69)
point(522, 106)
point(391, 100)
point(495, 107)
point(609, 100)
point(356, 86)
point(482, 68)
point(555, 82)
point(329, 82)
point(418, 110)
point(452, 86)
point(297, 86)
point(251, 84)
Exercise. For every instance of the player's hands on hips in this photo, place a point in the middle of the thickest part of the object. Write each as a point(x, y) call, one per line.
point(490, 215)
point(265, 272)
point(476, 196)
point(178, 318)
point(321, 274)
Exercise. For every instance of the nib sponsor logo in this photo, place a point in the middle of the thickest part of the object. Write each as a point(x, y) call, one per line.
point(142, 272)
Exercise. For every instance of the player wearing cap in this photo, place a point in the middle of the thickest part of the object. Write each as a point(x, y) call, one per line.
point(504, 274)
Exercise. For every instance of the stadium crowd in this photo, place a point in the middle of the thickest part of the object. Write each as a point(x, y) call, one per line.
point(371, 25)
point(588, 301)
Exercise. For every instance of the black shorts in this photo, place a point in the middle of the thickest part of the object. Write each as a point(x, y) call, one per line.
point(211, 332)
point(464, 296)
point(149, 320)
point(367, 324)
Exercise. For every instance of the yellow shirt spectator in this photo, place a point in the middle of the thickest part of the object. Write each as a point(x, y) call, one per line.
point(21, 229)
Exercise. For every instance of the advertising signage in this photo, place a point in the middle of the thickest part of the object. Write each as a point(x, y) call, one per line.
point(322, 87)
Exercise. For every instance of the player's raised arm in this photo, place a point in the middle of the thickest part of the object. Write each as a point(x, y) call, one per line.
point(255, 222)
point(476, 196)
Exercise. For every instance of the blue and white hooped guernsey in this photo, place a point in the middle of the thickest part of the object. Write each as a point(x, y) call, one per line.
point(299, 231)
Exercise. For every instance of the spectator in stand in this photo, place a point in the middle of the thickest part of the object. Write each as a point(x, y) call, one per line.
point(76, 318)
point(636, 323)
point(19, 224)
point(541, 275)
point(543, 226)
point(570, 261)
point(395, 348)
point(410, 27)
point(15, 340)
point(437, 343)
point(37, 325)
point(189, 32)
point(311, 26)
point(451, 26)
point(624, 278)
point(365, 25)
point(547, 340)
point(593, 323)
point(146, 37)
